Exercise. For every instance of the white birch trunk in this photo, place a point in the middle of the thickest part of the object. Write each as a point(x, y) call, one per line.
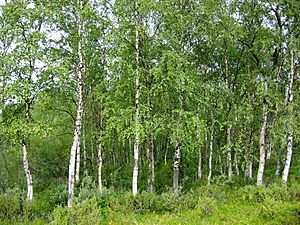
point(84, 148)
point(150, 157)
point(100, 149)
point(290, 134)
point(277, 172)
point(176, 163)
point(27, 172)
point(250, 170)
point(100, 163)
point(210, 155)
point(137, 113)
point(199, 172)
point(166, 153)
point(262, 140)
point(229, 160)
point(152, 166)
point(25, 158)
point(77, 170)
point(92, 153)
point(79, 111)
point(236, 163)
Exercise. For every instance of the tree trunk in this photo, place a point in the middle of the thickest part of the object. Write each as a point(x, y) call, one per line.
point(248, 167)
point(262, 140)
point(199, 172)
point(24, 155)
point(290, 134)
point(100, 147)
point(250, 170)
point(229, 159)
point(150, 157)
point(84, 149)
point(79, 111)
point(176, 163)
point(210, 154)
point(277, 172)
point(77, 167)
point(27, 172)
point(137, 113)
point(92, 153)
point(236, 164)
point(166, 153)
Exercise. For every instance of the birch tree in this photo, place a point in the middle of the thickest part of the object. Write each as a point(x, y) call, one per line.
point(75, 149)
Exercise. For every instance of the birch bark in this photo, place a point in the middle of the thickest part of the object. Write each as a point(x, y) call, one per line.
point(137, 112)
point(210, 153)
point(229, 160)
point(79, 111)
point(199, 172)
point(290, 134)
point(100, 150)
point(262, 141)
point(176, 163)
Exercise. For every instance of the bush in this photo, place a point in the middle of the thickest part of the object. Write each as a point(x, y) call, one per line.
point(84, 213)
point(11, 204)
point(206, 206)
point(59, 195)
point(276, 192)
point(280, 212)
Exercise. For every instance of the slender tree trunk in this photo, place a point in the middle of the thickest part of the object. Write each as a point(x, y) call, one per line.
point(84, 149)
point(262, 140)
point(229, 160)
point(27, 172)
point(176, 163)
point(210, 154)
point(277, 172)
point(269, 152)
point(177, 155)
point(100, 147)
point(77, 167)
point(92, 153)
point(137, 112)
point(248, 168)
point(290, 134)
point(79, 92)
point(220, 161)
point(236, 163)
point(199, 172)
point(206, 151)
point(24, 155)
point(152, 164)
point(166, 153)
point(150, 157)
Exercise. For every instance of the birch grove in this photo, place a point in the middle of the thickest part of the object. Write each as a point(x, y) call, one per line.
point(148, 95)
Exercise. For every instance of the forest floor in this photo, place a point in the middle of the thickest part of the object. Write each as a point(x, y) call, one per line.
point(214, 204)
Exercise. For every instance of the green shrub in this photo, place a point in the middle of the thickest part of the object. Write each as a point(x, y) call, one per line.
point(280, 212)
point(59, 195)
point(11, 204)
point(216, 192)
point(84, 213)
point(275, 191)
point(206, 206)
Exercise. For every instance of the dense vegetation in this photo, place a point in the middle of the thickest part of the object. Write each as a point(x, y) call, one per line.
point(151, 112)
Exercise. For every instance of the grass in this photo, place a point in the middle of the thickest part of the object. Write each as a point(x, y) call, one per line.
point(214, 204)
